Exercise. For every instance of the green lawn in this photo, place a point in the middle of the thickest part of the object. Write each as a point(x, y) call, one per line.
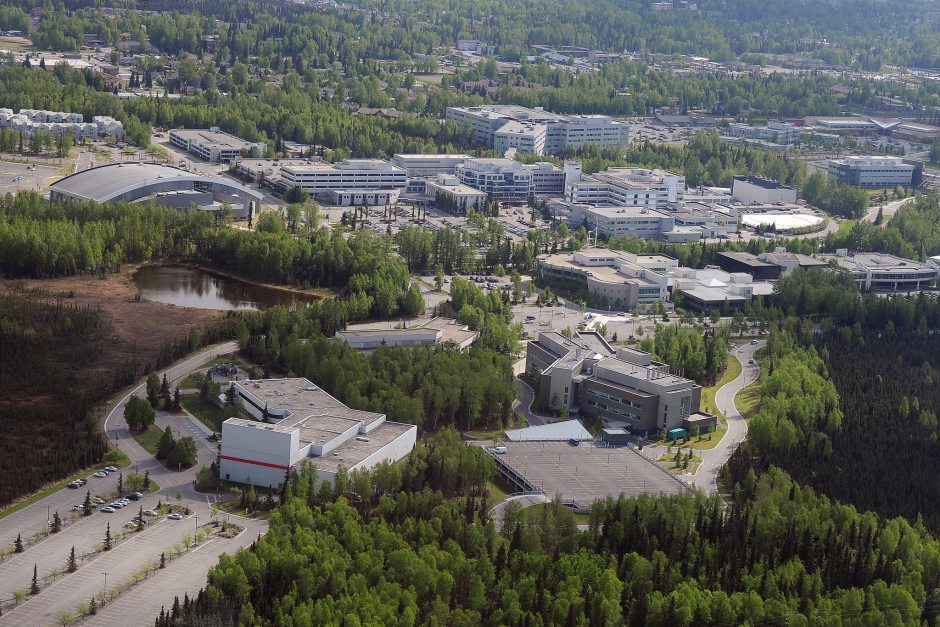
point(209, 414)
point(533, 512)
point(732, 371)
point(150, 439)
point(192, 382)
point(748, 399)
point(498, 490)
point(845, 226)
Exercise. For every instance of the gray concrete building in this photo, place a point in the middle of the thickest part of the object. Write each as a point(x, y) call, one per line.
point(625, 387)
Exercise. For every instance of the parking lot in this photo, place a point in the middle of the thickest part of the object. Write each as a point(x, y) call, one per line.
point(21, 176)
point(586, 473)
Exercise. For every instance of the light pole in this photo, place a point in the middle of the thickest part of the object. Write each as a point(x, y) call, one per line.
point(47, 514)
point(195, 538)
point(104, 596)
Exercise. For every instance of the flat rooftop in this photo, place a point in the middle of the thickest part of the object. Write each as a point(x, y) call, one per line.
point(760, 182)
point(318, 416)
point(878, 263)
point(586, 473)
point(209, 137)
point(747, 258)
point(354, 451)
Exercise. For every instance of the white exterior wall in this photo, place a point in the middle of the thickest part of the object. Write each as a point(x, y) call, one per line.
point(321, 450)
point(746, 192)
point(397, 449)
point(255, 454)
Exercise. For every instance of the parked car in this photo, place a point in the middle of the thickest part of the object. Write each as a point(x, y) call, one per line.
point(73, 485)
point(97, 500)
point(136, 496)
point(109, 469)
point(149, 512)
point(78, 508)
point(101, 474)
point(174, 517)
point(116, 505)
point(107, 509)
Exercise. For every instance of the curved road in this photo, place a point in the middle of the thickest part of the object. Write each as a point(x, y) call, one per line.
point(706, 477)
point(524, 500)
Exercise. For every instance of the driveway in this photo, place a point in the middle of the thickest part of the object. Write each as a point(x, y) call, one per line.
point(706, 477)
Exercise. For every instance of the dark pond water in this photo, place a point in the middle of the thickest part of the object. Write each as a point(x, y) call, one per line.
point(188, 287)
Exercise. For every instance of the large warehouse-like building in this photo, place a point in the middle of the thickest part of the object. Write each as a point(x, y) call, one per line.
point(296, 423)
point(159, 184)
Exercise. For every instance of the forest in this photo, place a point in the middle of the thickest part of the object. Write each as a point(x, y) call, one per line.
point(45, 239)
point(853, 414)
point(413, 544)
point(430, 387)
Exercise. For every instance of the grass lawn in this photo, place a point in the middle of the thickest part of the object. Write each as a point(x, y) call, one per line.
point(533, 512)
point(231, 507)
point(15, 44)
point(748, 399)
point(498, 490)
point(732, 371)
point(209, 414)
point(485, 435)
point(845, 226)
point(192, 382)
point(150, 439)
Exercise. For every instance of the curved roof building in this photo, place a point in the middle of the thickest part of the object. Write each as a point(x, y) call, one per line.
point(135, 181)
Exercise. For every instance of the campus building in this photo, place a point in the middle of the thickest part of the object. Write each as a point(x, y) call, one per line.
point(349, 182)
point(782, 133)
point(757, 190)
point(428, 165)
point(624, 187)
point(712, 288)
point(213, 144)
point(509, 180)
point(296, 422)
point(454, 196)
point(538, 131)
point(880, 272)
point(156, 184)
point(875, 171)
point(433, 332)
point(626, 388)
point(616, 279)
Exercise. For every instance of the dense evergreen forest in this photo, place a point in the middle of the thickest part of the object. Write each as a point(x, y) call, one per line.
point(413, 544)
point(854, 414)
point(44, 239)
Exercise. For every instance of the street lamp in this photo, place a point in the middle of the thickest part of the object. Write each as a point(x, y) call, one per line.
point(195, 538)
point(104, 596)
point(47, 515)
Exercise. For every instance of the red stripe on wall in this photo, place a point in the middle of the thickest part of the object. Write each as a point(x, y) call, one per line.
point(256, 463)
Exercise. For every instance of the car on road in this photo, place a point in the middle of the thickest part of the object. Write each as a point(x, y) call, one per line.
point(174, 517)
point(753, 342)
point(750, 361)
point(107, 509)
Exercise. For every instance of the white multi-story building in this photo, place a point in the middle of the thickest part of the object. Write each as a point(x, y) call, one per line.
point(296, 422)
point(885, 273)
point(428, 165)
point(508, 180)
point(625, 187)
point(213, 144)
point(351, 175)
point(782, 133)
point(454, 195)
point(538, 131)
point(757, 190)
point(874, 171)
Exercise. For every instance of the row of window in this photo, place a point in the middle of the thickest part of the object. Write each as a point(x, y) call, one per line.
point(605, 395)
point(614, 410)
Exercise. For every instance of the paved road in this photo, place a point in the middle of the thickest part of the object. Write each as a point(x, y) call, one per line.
point(51, 553)
point(524, 500)
point(706, 477)
point(889, 210)
point(523, 406)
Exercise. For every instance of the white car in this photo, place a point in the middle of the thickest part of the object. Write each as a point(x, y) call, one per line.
point(101, 474)
point(107, 509)
point(77, 508)
point(110, 469)
point(174, 517)
point(116, 505)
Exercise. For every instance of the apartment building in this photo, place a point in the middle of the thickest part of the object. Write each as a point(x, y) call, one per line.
point(28, 121)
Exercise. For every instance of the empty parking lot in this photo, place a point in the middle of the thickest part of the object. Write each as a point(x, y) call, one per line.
point(585, 473)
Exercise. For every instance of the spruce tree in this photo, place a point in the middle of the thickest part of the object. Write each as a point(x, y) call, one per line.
point(34, 586)
point(120, 486)
point(72, 564)
point(18, 545)
point(107, 538)
point(56, 523)
point(177, 404)
point(93, 607)
point(147, 480)
point(86, 506)
point(163, 560)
